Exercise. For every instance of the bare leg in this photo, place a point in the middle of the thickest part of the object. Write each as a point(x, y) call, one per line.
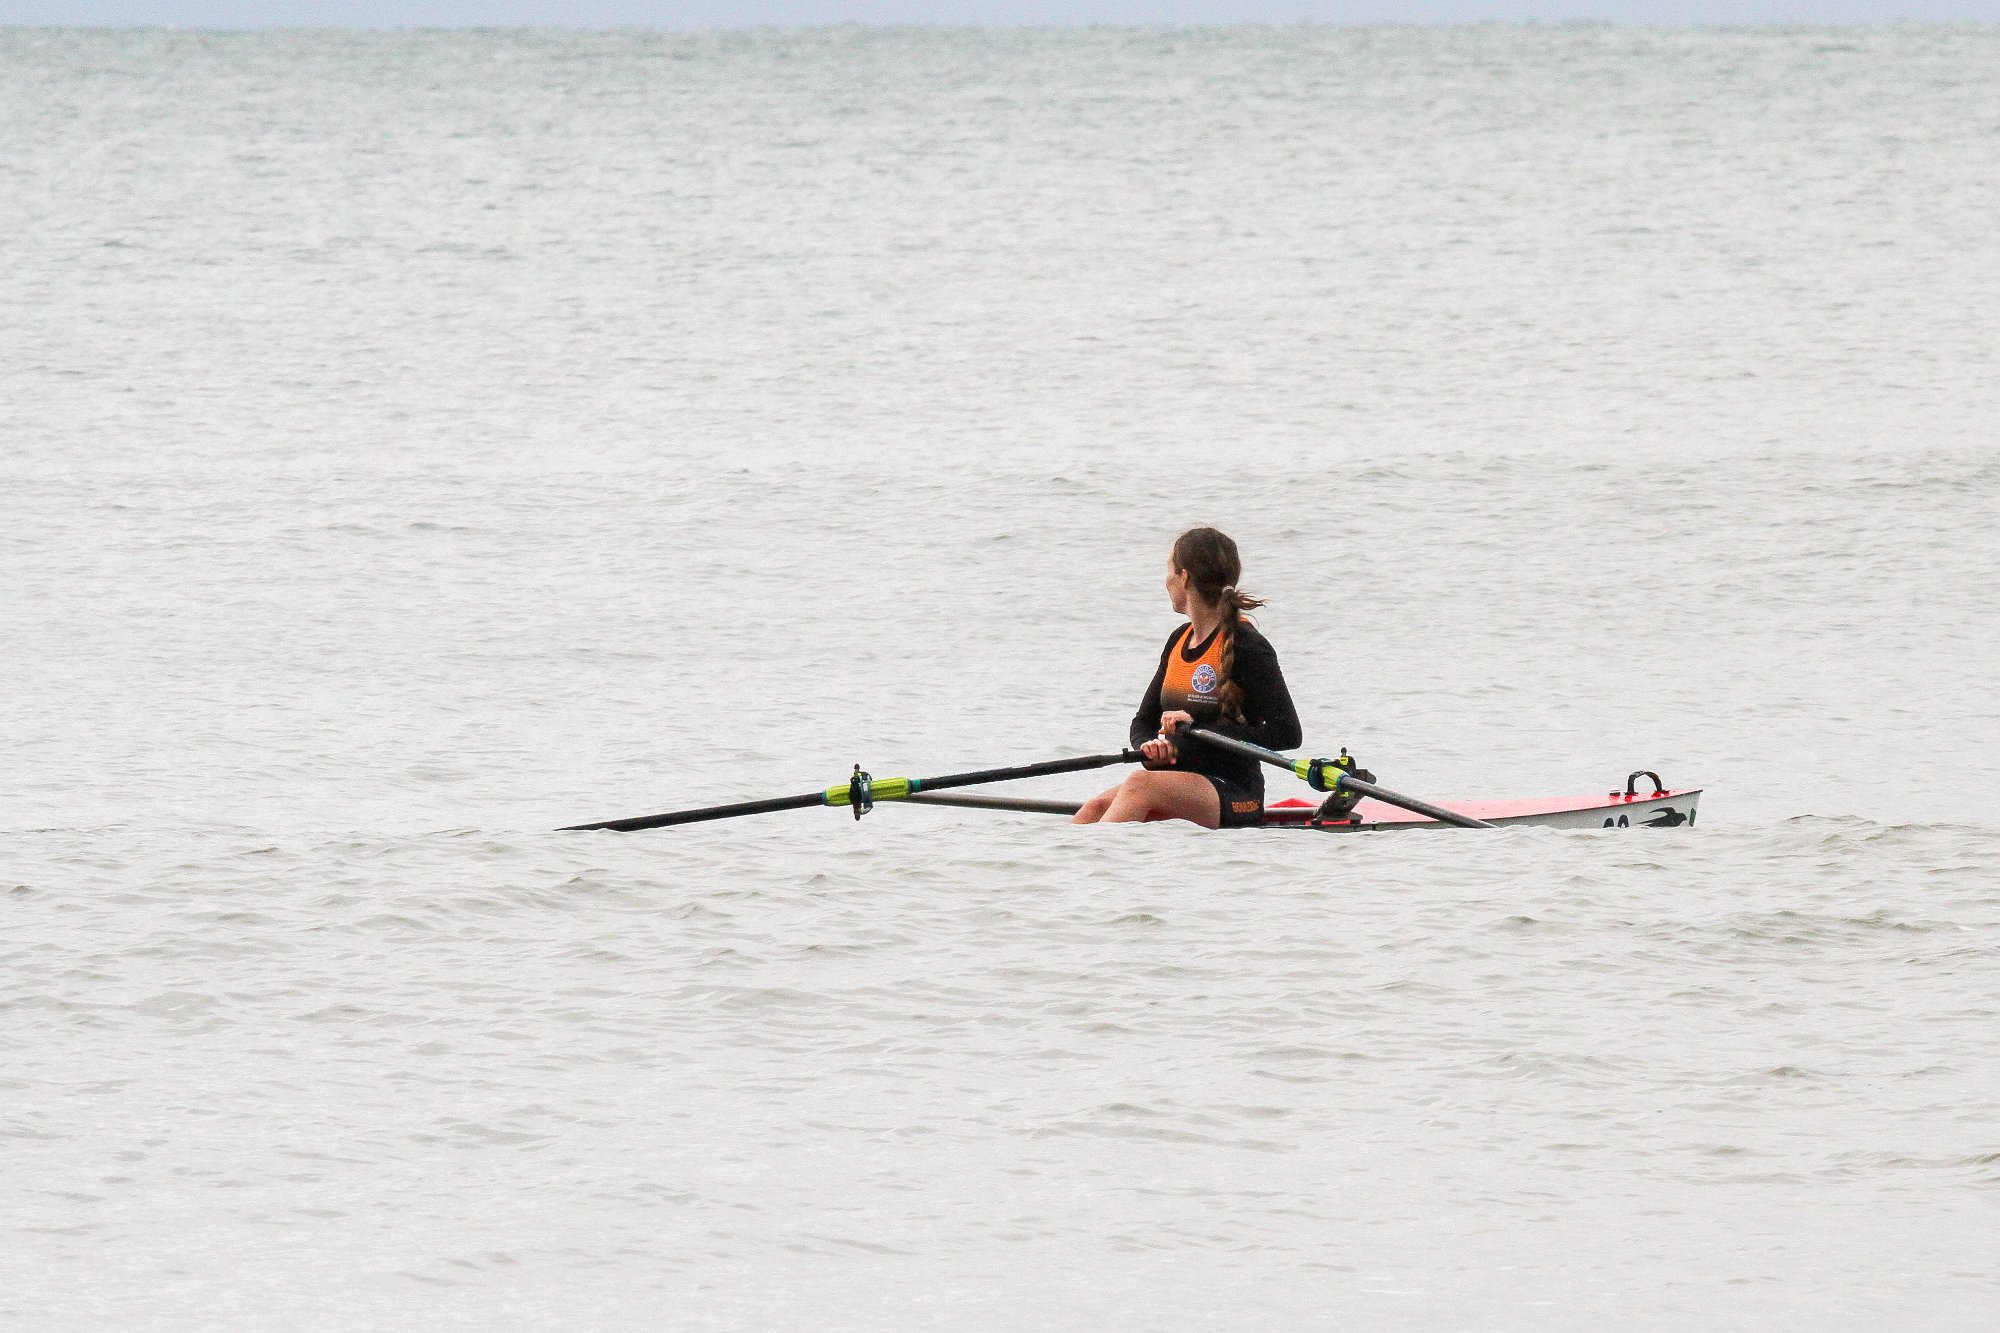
point(1162, 795)
point(1094, 808)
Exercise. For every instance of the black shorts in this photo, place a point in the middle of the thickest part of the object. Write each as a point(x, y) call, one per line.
point(1239, 808)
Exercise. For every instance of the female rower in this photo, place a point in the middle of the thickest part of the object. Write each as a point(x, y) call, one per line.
point(1216, 671)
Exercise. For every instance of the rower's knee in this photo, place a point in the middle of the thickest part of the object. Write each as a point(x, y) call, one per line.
point(1137, 798)
point(1093, 809)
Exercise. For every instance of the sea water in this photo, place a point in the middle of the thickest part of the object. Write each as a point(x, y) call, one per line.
point(410, 443)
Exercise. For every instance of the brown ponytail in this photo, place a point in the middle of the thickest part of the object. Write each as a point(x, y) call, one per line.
point(1210, 561)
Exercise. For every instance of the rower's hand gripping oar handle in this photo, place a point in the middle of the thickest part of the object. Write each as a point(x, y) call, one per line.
point(1327, 775)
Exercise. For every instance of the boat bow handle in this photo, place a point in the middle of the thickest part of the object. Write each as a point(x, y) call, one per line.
point(1632, 783)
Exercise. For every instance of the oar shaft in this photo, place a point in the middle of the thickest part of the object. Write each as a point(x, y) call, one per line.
point(973, 801)
point(880, 789)
point(979, 777)
point(765, 807)
point(1410, 803)
point(1344, 781)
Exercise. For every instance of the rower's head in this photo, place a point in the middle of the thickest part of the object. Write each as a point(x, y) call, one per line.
point(1204, 564)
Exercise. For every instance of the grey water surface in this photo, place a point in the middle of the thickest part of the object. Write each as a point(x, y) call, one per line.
point(410, 443)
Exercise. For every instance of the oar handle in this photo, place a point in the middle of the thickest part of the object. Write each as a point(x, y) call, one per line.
point(1326, 776)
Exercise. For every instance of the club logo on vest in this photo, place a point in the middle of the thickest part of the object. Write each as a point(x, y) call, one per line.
point(1204, 679)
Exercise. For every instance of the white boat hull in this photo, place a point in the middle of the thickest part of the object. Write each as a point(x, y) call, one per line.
point(1673, 809)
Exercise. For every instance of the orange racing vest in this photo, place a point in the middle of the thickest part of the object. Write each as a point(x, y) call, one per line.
point(1194, 687)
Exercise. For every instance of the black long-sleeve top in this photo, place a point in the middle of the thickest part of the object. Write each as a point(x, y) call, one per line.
point(1269, 718)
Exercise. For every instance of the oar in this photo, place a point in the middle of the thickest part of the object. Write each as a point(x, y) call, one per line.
point(973, 801)
point(861, 792)
point(1323, 775)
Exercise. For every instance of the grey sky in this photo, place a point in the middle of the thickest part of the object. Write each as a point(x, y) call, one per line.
point(740, 13)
